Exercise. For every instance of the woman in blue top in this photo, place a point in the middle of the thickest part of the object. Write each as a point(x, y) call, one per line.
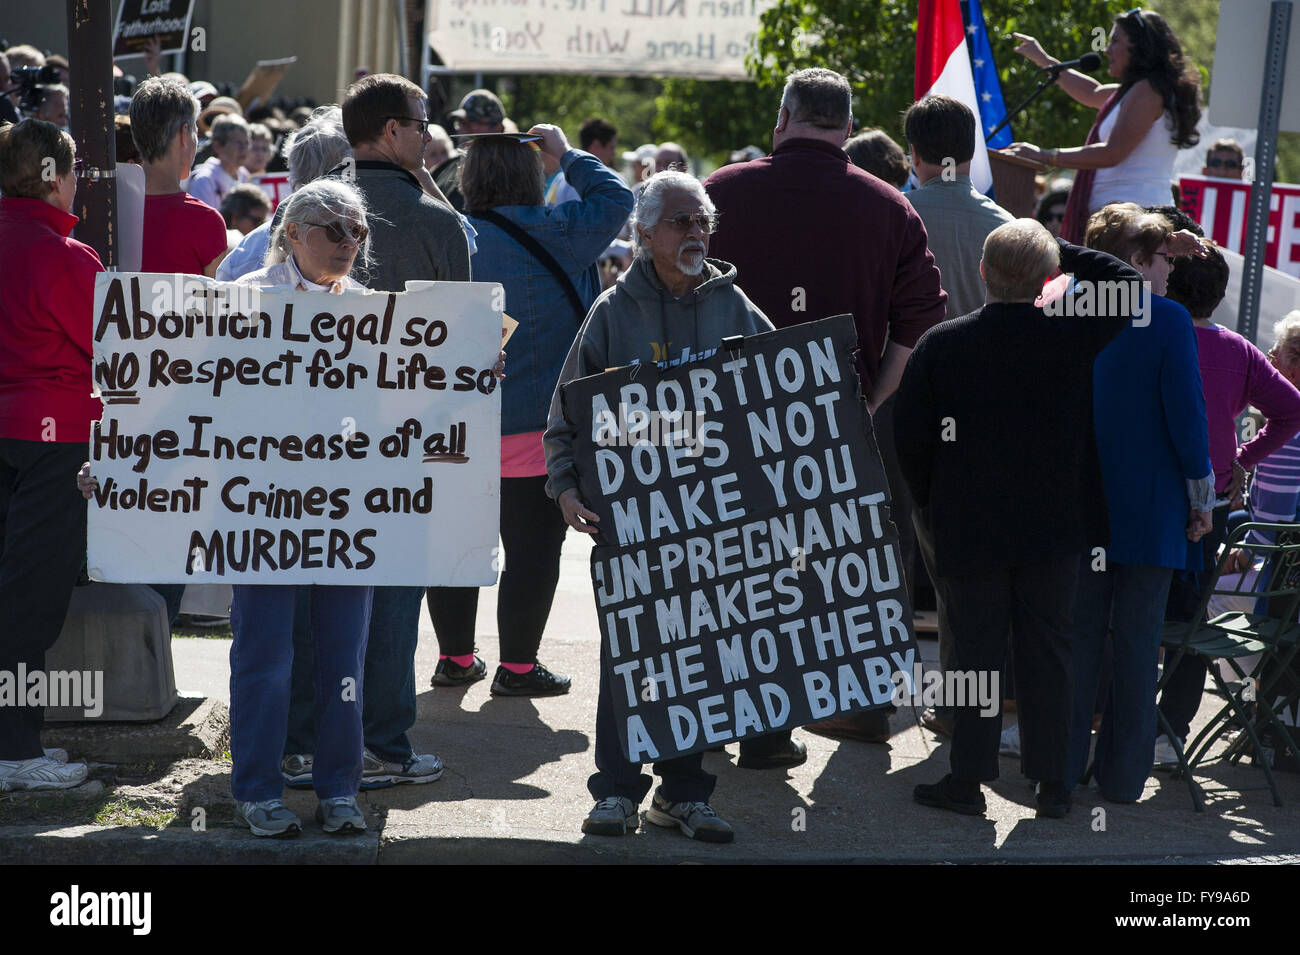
point(502, 180)
point(1153, 442)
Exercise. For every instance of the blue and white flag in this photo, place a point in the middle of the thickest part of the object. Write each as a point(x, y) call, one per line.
point(988, 91)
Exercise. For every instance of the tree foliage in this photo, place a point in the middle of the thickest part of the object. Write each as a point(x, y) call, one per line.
point(874, 45)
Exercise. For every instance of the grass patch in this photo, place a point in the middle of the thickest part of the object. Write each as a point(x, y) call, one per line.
point(205, 633)
point(120, 811)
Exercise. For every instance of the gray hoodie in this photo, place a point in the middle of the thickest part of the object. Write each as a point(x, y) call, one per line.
point(639, 321)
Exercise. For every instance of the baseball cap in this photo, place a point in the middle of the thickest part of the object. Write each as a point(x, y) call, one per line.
point(202, 88)
point(642, 154)
point(480, 106)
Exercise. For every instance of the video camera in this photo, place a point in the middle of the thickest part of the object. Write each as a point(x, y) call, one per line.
point(26, 79)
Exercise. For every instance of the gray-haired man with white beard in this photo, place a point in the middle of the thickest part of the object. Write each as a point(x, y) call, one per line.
point(673, 306)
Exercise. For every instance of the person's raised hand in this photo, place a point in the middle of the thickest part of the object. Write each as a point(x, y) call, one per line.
point(1031, 49)
point(1186, 242)
point(554, 142)
point(575, 514)
point(152, 54)
point(86, 484)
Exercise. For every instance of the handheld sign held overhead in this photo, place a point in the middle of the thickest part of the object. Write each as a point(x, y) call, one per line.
point(746, 572)
point(138, 21)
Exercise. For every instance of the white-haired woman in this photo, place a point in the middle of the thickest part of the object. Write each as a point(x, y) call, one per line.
point(321, 231)
point(321, 145)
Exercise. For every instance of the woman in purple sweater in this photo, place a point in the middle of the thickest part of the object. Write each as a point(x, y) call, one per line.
point(1234, 374)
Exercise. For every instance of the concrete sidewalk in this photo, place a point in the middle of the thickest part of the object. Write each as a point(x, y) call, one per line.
point(515, 790)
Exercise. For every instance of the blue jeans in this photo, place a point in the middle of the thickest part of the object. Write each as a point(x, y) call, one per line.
point(389, 677)
point(261, 661)
point(390, 671)
point(1125, 603)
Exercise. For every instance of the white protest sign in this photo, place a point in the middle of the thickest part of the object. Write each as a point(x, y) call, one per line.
point(282, 437)
point(701, 38)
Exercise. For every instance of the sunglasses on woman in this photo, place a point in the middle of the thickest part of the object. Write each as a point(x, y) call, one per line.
point(357, 233)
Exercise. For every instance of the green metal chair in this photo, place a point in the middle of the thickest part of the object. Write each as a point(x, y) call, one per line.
point(1234, 636)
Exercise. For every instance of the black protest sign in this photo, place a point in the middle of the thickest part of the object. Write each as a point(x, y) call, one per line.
point(746, 574)
point(139, 20)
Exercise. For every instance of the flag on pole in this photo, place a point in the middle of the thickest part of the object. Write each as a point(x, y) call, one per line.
point(988, 89)
point(944, 66)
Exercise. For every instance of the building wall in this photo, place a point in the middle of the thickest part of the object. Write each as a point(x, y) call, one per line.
point(331, 38)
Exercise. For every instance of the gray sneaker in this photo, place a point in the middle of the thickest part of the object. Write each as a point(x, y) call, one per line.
point(696, 820)
point(270, 818)
point(612, 816)
point(340, 814)
point(379, 774)
point(296, 770)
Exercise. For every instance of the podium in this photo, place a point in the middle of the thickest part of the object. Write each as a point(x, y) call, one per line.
point(1013, 183)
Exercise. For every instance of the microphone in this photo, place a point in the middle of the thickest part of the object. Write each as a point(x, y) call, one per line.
point(1086, 63)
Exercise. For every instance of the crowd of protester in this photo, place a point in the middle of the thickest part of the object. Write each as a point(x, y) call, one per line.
point(1100, 431)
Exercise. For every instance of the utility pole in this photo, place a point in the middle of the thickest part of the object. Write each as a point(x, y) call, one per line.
point(90, 58)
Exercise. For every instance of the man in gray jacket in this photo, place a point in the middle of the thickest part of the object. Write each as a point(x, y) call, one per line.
point(673, 306)
point(413, 237)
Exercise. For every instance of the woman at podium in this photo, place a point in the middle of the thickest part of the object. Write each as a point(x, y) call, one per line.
point(1142, 120)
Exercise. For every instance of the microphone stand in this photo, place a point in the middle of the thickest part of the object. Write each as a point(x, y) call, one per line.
point(1043, 85)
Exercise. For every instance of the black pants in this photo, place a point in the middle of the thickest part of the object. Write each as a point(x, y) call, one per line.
point(925, 544)
point(684, 777)
point(42, 547)
point(532, 529)
point(1034, 601)
point(1182, 694)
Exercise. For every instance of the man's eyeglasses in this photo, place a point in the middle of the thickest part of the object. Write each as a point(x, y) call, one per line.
point(684, 221)
point(424, 123)
point(1223, 163)
point(357, 233)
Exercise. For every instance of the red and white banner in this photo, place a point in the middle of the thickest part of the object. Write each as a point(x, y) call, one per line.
point(275, 185)
point(1221, 205)
point(943, 66)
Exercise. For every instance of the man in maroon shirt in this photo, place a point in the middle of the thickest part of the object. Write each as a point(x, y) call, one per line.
point(812, 235)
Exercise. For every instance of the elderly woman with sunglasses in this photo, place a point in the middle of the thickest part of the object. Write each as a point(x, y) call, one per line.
point(322, 230)
point(1142, 121)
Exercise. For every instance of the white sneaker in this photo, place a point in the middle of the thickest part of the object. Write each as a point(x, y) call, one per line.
point(1009, 745)
point(40, 773)
point(58, 755)
point(1164, 754)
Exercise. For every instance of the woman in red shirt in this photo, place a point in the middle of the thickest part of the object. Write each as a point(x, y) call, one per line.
point(46, 410)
